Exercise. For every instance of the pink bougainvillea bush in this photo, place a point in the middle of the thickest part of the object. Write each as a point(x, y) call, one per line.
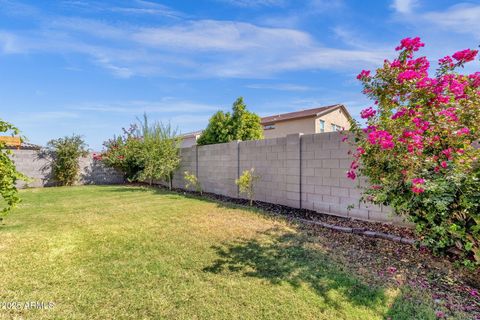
point(419, 147)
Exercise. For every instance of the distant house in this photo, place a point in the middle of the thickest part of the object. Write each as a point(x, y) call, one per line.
point(322, 119)
point(190, 139)
point(16, 143)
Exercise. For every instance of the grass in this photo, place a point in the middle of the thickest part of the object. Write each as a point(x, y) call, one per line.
point(122, 252)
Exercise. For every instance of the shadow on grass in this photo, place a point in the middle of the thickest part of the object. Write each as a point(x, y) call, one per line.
point(287, 258)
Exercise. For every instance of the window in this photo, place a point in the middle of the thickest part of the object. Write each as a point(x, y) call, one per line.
point(321, 125)
point(269, 127)
point(336, 128)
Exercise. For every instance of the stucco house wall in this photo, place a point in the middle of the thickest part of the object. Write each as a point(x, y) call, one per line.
point(309, 125)
point(187, 142)
point(337, 117)
point(283, 128)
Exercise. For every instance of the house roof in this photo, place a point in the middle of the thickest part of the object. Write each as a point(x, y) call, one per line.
point(24, 146)
point(191, 134)
point(303, 114)
point(15, 142)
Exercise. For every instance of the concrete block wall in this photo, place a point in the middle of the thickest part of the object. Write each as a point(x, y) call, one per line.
point(218, 168)
point(188, 163)
point(300, 171)
point(268, 158)
point(325, 186)
point(39, 170)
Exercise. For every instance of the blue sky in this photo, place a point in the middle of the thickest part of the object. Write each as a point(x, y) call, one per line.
point(92, 67)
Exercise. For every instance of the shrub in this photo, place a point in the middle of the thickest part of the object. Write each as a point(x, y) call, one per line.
point(122, 153)
point(144, 152)
point(241, 124)
point(418, 148)
point(246, 183)
point(8, 174)
point(66, 153)
point(159, 152)
point(192, 182)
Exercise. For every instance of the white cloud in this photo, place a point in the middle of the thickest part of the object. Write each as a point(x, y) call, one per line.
point(138, 107)
point(462, 18)
point(404, 6)
point(137, 7)
point(201, 48)
point(221, 35)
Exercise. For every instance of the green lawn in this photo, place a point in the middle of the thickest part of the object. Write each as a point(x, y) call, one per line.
point(120, 252)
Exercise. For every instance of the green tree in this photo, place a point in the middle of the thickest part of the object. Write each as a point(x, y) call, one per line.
point(8, 174)
point(66, 153)
point(241, 124)
point(218, 129)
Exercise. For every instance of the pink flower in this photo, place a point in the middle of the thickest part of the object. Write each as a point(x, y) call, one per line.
point(446, 61)
point(400, 113)
point(442, 99)
point(463, 131)
point(364, 74)
point(369, 129)
point(449, 113)
point(421, 124)
point(444, 164)
point(407, 75)
point(396, 63)
point(410, 44)
point(440, 314)
point(354, 165)
point(426, 83)
point(475, 78)
point(417, 190)
point(382, 138)
point(367, 113)
point(448, 153)
point(465, 55)
point(457, 88)
point(351, 174)
point(418, 181)
point(474, 293)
